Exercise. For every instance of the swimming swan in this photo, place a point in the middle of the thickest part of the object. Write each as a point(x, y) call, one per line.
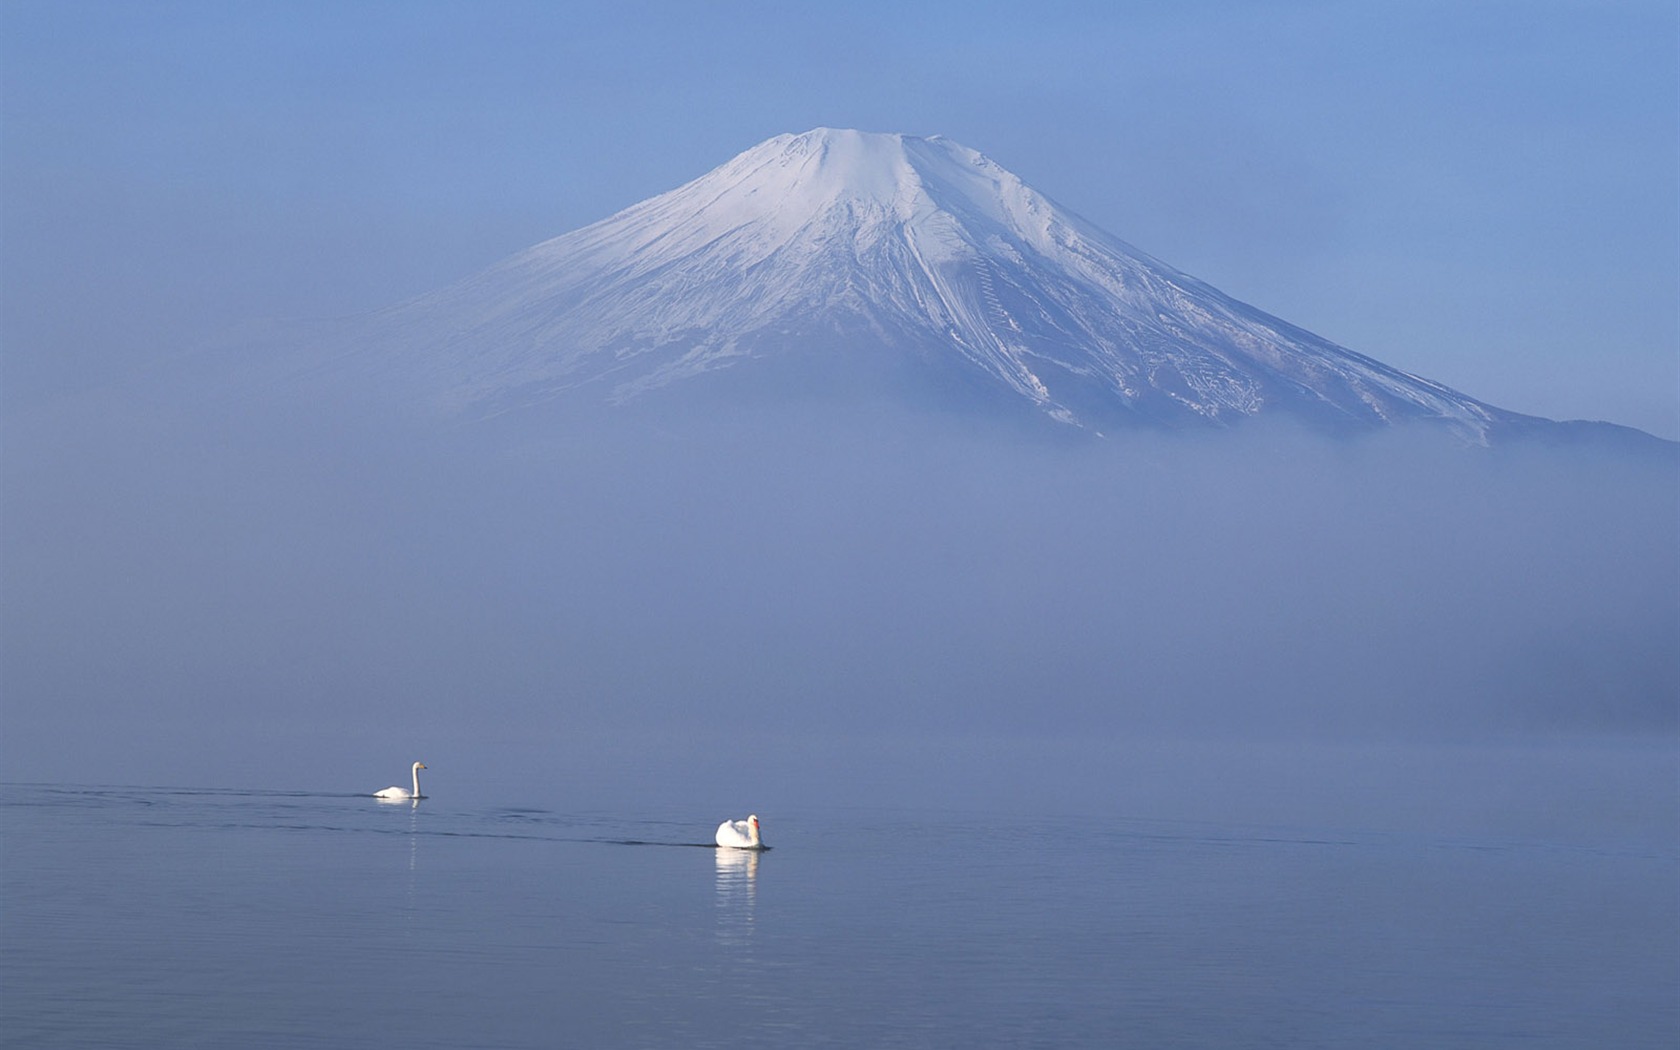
point(399, 794)
point(740, 834)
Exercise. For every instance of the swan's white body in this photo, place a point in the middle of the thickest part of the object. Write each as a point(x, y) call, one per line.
point(740, 834)
point(399, 794)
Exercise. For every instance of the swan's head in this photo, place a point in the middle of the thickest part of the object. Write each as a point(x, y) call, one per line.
point(419, 765)
point(752, 818)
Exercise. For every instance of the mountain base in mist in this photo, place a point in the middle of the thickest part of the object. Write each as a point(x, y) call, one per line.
point(877, 574)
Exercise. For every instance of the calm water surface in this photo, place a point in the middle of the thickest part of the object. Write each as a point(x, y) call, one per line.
point(138, 917)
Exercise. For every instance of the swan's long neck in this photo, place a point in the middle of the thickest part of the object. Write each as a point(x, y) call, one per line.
point(752, 832)
point(416, 772)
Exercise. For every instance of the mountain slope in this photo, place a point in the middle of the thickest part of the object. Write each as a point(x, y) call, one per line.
point(842, 260)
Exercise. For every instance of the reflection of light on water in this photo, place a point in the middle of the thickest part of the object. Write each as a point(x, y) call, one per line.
point(737, 889)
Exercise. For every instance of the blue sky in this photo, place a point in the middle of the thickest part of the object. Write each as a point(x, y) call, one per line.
point(1485, 194)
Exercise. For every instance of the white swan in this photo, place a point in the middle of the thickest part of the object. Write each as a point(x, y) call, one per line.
point(740, 834)
point(400, 794)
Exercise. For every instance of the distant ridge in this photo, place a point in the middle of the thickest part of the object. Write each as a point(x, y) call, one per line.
point(837, 263)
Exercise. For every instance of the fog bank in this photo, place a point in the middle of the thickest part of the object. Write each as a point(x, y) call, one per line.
point(299, 603)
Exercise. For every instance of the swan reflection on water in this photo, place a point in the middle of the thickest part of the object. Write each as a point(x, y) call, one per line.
point(737, 889)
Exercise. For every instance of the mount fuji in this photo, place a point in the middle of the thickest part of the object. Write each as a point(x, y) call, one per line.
point(839, 263)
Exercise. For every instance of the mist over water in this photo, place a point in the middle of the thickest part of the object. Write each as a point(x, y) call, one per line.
point(819, 608)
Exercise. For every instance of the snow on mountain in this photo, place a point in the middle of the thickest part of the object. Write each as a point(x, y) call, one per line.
point(838, 259)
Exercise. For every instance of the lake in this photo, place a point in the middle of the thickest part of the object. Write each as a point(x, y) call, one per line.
point(153, 917)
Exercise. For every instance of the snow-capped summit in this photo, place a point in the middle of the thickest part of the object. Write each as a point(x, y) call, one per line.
point(843, 260)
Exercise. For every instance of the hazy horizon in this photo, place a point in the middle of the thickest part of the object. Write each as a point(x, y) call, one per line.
point(210, 598)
